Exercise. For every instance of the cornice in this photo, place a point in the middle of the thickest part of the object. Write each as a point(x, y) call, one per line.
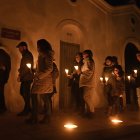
point(115, 11)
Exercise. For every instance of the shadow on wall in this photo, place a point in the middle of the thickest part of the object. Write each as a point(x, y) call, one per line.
point(13, 100)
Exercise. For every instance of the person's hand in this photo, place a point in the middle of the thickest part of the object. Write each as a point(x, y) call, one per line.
point(70, 76)
point(121, 95)
point(78, 72)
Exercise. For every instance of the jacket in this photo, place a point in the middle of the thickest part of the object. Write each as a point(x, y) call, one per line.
point(87, 73)
point(43, 81)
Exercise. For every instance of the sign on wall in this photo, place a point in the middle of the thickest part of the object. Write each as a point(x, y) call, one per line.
point(10, 34)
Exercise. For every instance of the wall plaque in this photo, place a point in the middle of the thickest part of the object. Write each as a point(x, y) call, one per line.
point(10, 34)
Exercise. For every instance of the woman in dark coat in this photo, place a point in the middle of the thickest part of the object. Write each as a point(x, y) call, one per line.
point(76, 97)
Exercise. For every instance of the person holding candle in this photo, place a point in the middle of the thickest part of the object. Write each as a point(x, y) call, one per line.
point(137, 77)
point(76, 95)
point(25, 76)
point(116, 83)
point(86, 82)
point(43, 82)
point(106, 74)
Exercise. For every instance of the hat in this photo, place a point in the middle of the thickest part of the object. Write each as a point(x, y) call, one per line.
point(21, 44)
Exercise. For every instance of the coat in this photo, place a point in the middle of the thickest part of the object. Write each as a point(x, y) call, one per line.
point(87, 73)
point(5, 66)
point(25, 73)
point(43, 82)
point(116, 85)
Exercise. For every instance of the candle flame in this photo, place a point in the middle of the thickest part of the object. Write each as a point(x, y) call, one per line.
point(76, 67)
point(128, 77)
point(106, 79)
point(101, 78)
point(135, 71)
point(67, 71)
point(28, 65)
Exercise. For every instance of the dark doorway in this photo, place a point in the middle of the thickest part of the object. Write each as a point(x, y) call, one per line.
point(130, 65)
point(67, 56)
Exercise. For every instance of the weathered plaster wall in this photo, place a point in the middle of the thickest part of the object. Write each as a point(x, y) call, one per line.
point(91, 27)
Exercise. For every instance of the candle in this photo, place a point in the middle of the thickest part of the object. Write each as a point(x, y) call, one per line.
point(106, 79)
point(129, 77)
point(28, 65)
point(76, 67)
point(135, 73)
point(101, 79)
point(67, 71)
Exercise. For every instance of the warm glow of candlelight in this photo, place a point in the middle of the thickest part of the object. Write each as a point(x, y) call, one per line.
point(106, 79)
point(116, 121)
point(67, 71)
point(28, 65)
point(76, 67)
point(70, 126)
point(101, 79)
point(129, 77)
point(135, 71)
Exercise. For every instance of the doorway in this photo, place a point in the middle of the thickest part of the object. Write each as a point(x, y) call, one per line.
point(67, 56)
point(130, 65)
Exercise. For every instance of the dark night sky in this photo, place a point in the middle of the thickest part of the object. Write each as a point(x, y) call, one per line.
point(123, 2)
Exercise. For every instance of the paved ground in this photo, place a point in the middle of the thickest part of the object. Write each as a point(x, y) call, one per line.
point(98, 128)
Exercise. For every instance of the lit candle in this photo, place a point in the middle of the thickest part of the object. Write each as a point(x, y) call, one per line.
point(106, 79)
point(67, 71)
point(135, 72)
point(129, 77)
point(76, 67)
point(101, 79)
point(28, 65)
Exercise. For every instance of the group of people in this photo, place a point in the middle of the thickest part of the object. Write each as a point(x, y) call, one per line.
point(39, 81)
point(113, 79)
point(81, 81)
point(113, 85)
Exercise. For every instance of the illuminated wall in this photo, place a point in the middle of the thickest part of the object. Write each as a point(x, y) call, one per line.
point(93, 24)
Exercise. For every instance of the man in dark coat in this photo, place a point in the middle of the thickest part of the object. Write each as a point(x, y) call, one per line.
point(5, 67)
point(137, 79)
point(25, 75)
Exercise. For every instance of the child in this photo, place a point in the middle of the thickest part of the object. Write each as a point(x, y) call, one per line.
point(116, 83)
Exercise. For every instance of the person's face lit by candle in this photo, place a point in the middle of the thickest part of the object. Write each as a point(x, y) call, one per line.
point(78, 58)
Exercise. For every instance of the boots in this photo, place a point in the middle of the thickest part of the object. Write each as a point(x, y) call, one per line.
point(45, 120)
point(31, 120)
